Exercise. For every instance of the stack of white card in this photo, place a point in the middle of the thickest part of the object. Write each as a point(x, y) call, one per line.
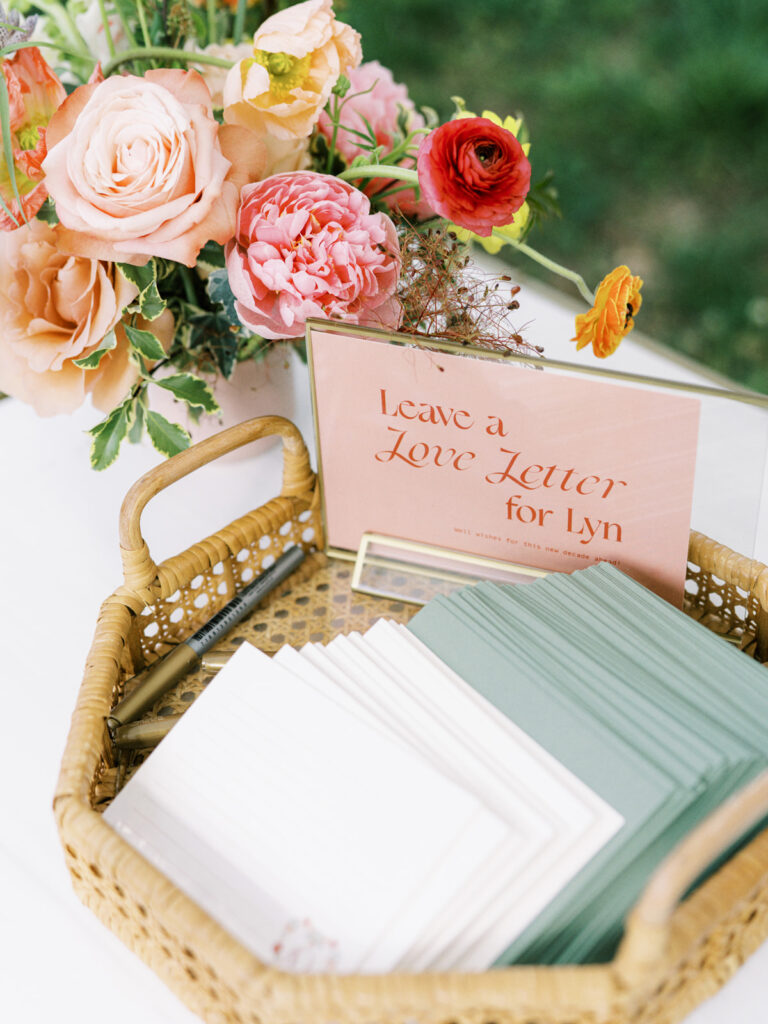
point(357, 807)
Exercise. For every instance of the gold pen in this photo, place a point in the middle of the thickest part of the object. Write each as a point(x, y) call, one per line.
point(187, 655)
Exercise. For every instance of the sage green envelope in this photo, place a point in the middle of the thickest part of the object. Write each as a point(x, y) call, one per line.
point(599, 926)
point(671, 712)
point(680, 680)
point(662, 731)
point(719, 677)
point(646, 723)
point(720, 688)
point(643, 794)
point(614, 895)
point(726, 760)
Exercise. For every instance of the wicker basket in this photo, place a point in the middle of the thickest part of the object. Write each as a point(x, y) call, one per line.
point(674, 953)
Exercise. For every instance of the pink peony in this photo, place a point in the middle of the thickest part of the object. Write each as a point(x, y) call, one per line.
point(34, 93)
point(139, 167)
point(379, 104)
point(307, 245)
point(298, 55)
point(56, 308)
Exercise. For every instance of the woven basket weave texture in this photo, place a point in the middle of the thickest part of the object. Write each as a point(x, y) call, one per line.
point(674, 953)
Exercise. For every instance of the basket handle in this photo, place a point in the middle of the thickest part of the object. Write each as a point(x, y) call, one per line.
point(139, 570)
point(647, 932)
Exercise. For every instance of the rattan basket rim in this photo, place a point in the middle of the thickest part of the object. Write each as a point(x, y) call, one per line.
point(660, 930)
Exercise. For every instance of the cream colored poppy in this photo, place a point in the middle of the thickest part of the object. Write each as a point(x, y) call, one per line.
point(298, 55)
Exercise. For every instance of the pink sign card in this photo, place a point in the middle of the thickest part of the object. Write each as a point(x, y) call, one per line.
point(500, 459)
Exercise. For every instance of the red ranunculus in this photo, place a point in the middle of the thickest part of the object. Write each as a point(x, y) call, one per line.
point(474, 172)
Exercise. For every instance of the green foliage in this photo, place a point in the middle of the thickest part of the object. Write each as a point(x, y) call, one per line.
point(216, 332)
point(212, 334)
point(109, 435)
point(190, 389)
point(342, 86)
point(543, 201)
point(145, 343)
point(211, 255)
point(149, 303)
point(168, 438)
point(654, 119)
point(47, 212)
point(136, 430)
point(91, 361)
point(220, 294)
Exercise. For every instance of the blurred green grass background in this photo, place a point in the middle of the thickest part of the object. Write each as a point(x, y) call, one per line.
point(653, 116)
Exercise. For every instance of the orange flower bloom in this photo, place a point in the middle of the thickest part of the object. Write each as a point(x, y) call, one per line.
point(34, 93)
point(612, 317)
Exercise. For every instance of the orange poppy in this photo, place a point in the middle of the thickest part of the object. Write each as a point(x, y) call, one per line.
point(612, 316)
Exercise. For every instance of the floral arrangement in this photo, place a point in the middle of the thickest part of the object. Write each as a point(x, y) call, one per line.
point(194, 180)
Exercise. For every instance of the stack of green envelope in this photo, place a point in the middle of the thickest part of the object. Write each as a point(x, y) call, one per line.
point(659, 716)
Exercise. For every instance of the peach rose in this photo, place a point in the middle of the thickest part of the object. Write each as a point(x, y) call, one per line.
point(56, 308)
point(139, 167)
point(298, 55)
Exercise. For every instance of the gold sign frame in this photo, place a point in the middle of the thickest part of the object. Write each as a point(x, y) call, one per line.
point(437, 344)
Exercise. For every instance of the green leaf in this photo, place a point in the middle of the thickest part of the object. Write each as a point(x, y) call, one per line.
point(220, 292)
point(47, 212)
point(190, 389)
point(300, 344)
point(136, 431)
point(91, 361)
point(152, 303)
point(212, 332)
point(212, 255)
point(149, 301)
point(145, 343)
point(109, 435)
point(142, 277)
point(168, 438)
point(542, 201)
point(217, 336)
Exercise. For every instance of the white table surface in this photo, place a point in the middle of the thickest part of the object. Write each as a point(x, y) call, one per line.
point(59, 560)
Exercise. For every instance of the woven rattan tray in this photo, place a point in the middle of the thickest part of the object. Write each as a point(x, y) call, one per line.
point(674, 953)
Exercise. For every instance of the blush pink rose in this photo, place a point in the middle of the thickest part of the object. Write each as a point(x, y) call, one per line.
point(379, 103)
point(56, 308)
point(474, 172)
point(307, 245)
point(139, 167)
